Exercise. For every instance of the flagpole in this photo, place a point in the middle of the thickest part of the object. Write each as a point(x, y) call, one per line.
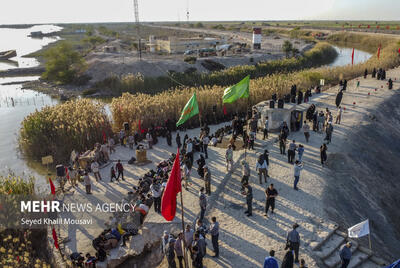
point(183, 230)
point(369, 239)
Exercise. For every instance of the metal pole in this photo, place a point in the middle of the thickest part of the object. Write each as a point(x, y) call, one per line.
point(369, 239)
point(183, 231)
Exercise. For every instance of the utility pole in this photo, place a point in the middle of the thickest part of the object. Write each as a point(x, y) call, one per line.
point(136, 9)
point(187, 11)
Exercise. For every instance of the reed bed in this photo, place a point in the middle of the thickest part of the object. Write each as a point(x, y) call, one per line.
point(154, 110)
point(59, 129)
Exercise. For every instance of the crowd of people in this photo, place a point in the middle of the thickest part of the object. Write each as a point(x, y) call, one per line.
point(148, 192)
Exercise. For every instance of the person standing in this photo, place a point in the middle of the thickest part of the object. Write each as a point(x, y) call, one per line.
point(207, 180)
point(120, 170)
point(339, 115)
point(282, 143)
point(178, 140)
point(324, 156)
point(229, 158)
point(112, 173)
point(122, 137)
point(251, 140)
point(95, 169)
point(300, 152)
point(245, 173)
point(329, 132)
point(293, 241)
point(188, 236)
point(345, 254)
point(88, 184)
point(306, 130)
point(179, 249)
point(266, 128)
point(149, 139)
point(168, 136)
point(200, 243)
point(186, 173)
point(298, 166)
point(156, 191)
point(270, 193)
point(206, 141)
point(270, 261)
point(73, 174)
point(214, 230)
point(249, 200)
point(288, 259)
point(292, 151)
point(261, 167)
point(202, 203)
point(171, 253)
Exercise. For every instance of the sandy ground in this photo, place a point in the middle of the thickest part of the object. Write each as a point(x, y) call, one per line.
point(103, 65)
point(245, 242)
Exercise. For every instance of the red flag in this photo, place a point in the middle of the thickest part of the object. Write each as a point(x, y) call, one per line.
point(369, 26)
point(140, 127)
point(399, 50)
point(379, 51)
point(104, 137)
point(225, 113)
point(387, 27)
point(67, 172)
point(53, 189)
point(377, 27)
point(55, 238)
point(174, 186)
point(45, 209)
point(352, 57)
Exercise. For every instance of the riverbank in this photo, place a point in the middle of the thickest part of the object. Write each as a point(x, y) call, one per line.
point(317, 207)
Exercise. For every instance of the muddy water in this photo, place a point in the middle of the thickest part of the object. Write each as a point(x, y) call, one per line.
point(344, 56)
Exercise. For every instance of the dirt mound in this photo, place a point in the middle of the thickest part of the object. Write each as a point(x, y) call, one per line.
point(366, 178)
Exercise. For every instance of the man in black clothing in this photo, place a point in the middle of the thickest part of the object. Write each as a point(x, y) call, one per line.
point(271, 193)
point(282, 143)
point(249, 199)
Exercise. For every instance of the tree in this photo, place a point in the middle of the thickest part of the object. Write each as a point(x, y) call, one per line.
point(287, 47)
point(63, 64)
point(295, 51)
point(199, 25)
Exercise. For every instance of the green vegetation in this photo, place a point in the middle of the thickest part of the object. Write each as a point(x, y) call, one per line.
point(19, 247)
point(94, 40)
point(287, 47)
point(190, 59)
point(63, 64)
point(59, 129)
point(199, 25)
point(321, 54)
point(132, 107)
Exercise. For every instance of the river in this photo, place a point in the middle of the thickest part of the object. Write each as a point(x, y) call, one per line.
point(27, 101)
point(344, 56)
point(15, 103)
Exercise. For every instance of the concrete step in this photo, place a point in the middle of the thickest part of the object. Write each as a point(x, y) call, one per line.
point(334, 259)
point(358, 259)
point(330, 245)
point(370, 264)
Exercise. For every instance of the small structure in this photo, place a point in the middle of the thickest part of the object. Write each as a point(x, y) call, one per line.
point(291, 113)
point(180, 45)
point(257, 38)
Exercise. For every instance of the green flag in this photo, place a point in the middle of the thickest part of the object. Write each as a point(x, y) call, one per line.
point(240, 90)
point(191, 108)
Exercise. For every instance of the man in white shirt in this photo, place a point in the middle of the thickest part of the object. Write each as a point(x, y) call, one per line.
point(266, 128)
point(95, 170)
point(206, 141)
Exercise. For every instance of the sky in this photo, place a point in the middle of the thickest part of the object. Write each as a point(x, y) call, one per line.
point(73, 11)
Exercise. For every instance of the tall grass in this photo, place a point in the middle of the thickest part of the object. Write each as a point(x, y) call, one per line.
point(319, 55)
point(59, 129)
point(167, 105)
